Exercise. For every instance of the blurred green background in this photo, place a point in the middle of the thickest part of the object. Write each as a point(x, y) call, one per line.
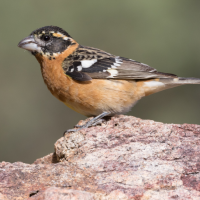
point(163, 34)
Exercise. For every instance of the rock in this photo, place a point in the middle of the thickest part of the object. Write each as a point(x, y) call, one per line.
point(55, 193)
point(51, 158)
point(2, 197)
point(126, 158)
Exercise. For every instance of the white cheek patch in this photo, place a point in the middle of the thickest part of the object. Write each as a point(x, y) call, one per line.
point(113, 72)
point(154, 84)
point(88, 63)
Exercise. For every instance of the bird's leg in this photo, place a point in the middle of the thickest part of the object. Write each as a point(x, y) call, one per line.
point(92, 122)
point(99, 121)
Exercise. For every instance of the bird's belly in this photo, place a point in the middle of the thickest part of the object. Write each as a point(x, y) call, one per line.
point(92, 99)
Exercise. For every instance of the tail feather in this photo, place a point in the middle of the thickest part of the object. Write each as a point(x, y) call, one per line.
point(157, 85)
point(180, 81)
point(189, 80)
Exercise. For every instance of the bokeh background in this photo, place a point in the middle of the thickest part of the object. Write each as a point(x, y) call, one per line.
point(163, 34)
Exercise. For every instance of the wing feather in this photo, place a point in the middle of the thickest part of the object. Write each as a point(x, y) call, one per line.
point(102, 65)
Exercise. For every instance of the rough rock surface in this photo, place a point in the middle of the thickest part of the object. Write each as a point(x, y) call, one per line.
point(126, 158)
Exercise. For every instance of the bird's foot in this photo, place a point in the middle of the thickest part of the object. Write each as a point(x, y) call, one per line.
point(96, 120)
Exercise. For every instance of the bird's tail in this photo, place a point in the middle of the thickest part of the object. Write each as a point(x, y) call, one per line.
point(181, 81)
point(157, 85)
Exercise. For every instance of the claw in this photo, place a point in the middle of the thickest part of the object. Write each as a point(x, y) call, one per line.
point(99, 121)
point(78, 126)
point(96, 120)
point(71, 130)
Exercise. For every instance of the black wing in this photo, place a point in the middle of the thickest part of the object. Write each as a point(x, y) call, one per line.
point(90, 63)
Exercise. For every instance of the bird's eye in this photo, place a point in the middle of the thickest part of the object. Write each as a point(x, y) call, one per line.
point(46, 38)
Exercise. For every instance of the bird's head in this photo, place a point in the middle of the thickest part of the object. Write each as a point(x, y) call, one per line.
point(48, 41)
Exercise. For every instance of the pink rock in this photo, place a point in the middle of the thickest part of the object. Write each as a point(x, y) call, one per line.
point(126, 158)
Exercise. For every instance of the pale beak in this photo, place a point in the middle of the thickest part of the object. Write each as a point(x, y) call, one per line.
point(29, 44)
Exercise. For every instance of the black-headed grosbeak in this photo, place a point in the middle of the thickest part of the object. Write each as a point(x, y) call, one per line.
point(91, 81)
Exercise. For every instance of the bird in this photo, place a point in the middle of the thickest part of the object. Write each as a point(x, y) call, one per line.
point(91, 81)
